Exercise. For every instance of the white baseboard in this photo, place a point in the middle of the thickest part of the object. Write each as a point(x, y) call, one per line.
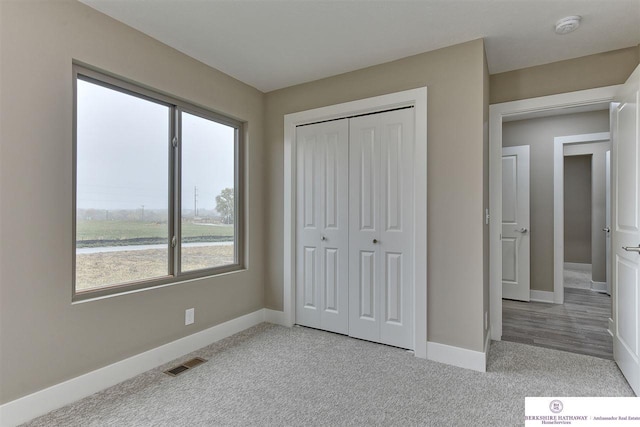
point(275, 317)
point(541, 296)
point(457, 356)
point(577, 266)
point(611, 327)
point(599, 286)
point(41, 402)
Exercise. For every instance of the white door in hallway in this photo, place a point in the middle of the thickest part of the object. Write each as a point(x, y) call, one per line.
point(322, 229)
point(626, 229)
point(515, 223)
point(381, 236)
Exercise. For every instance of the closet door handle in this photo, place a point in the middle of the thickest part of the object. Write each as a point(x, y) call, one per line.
point(521, 230)
point(631, 248)
point(606, 229)
point(375, 241)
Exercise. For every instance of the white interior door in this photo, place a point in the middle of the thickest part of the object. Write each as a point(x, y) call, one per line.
point(626, 230)
point(322, 270)
point(607, 220)
point(515, 223)
point(381, 227)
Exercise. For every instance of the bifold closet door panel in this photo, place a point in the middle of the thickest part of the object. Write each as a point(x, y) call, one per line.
point(381, 227)
point(322, 216)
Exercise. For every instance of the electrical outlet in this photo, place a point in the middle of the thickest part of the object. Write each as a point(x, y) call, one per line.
point(189, 316)
point(486, 320)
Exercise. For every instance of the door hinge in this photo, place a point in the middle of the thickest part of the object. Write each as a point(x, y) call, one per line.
point(174, 141)
point(173, 242)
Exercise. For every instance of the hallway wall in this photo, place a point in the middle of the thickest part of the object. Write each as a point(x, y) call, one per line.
point(577, 209)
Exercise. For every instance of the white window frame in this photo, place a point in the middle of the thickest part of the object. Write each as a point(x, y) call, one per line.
point(176, 107)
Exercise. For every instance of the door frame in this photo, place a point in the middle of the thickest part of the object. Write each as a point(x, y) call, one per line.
point(520, 109)
point(607, 221)
point(559, 143)
point(416, 98)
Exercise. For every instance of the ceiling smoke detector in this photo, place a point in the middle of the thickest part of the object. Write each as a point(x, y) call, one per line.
point(568, 24)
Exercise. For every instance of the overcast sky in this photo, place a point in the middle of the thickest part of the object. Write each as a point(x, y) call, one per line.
point(123, 153)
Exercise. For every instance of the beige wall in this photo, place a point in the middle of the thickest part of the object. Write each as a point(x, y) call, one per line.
point(602, 69)
point(597, 152)
point(577, 209)
point(539, 134)
point(44, 338)
point(454, 77)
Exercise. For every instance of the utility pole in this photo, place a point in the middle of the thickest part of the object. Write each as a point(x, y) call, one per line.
point(195, 201)
point(142, 213)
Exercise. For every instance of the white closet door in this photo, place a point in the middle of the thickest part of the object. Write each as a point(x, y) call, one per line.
point(322, 270)
point(381, 227)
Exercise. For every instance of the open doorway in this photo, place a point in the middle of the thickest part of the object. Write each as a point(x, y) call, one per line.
point(579, 264)
point(593, 105)
point(582, 220)
point(564, 230)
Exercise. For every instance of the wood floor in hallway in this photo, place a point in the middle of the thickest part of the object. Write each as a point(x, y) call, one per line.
point(579, 325)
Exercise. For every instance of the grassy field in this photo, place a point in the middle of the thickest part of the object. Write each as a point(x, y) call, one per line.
point(109, 268)
point(146, 232)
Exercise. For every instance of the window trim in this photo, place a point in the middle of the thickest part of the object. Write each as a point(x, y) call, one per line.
point(174, 204)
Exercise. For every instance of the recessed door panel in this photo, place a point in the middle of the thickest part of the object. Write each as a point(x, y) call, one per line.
point(309, 172)
point(368, 179)
point(627, 274)
point(627, 157)
point(509, 260)
point(393, 288)
point(509, 188)
point(331, 279)
point(367, 286)
point(331, 202)
point(310, 277)
point(394, 178)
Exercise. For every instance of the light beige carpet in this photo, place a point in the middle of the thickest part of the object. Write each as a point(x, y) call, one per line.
point(272, 376)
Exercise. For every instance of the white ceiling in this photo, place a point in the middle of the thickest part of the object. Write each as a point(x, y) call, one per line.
point(272, 44)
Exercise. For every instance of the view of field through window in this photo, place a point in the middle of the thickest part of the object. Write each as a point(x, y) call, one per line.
point(208, 199)
point(123, 190)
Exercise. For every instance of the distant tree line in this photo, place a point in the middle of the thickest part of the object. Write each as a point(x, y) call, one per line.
point(224, 212)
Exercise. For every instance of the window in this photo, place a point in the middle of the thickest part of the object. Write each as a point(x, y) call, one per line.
point(157, 188)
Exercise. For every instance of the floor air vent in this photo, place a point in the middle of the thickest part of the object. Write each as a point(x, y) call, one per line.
point(189, 364)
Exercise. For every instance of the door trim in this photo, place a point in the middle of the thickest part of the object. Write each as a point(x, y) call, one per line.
point(514, 110)
point(416, 98)
point(558, 203)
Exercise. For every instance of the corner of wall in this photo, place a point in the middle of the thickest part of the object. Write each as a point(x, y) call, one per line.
point(486, 89)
